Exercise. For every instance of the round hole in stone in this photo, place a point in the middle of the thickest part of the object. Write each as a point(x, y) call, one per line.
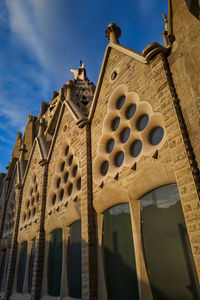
point(74, 172)
point(136, 148)
point(70, 188)
point(113, 75)
point(66, 177)
point(142, 122)
point(115, 123)
point(66, 150)
point(130, 111)
point(156, 135)
point(53, 200)
point(79, 184)
point(62, 166)
point(58, 182)
point(119, 158)
point(61, 194)
point(110, 145)
point(104, 167)
point(34, 211)
point(124, 135)
point(34, 179)
point(120, 102)
point(36, 187)
point(70, 160)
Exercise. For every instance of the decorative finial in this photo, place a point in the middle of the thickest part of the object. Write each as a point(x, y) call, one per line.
point(22, 150)
point(113, 32)
point(79, 74)
point(165, 21)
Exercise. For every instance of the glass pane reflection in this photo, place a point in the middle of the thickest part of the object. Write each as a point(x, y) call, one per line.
point(168, 253)
point(119, 259)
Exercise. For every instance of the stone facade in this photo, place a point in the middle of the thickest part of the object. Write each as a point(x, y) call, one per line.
point(92, 149)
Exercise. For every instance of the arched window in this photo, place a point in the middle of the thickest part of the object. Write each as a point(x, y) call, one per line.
point(168, 254)
point(2, 268)
point(55, 263)
point(119, 257)
point(31, 263)
point(21, 267)
point(74, 260)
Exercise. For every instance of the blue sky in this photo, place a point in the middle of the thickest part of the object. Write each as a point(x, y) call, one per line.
point(41, 40)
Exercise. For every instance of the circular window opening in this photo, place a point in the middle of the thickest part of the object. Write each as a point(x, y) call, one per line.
point(115, 123)
point(70, 188)
point(70, 160)
point(124, 135)
point(110, 145)
point(53, 199)
point(119, 158)
point(136, 148)
point(66, 150)
point(130, 111)
point(66, 177)
point(142, 122)
point(62, 166)
point(104, 167)
point(120, 102)
point(79, 184)
point(34, 211)
point(58, 182)
point(75, 169)
point(113, 75)
point(61, 194)
point(156, 135)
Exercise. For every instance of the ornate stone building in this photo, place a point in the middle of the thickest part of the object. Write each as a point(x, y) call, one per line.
point(101, 199)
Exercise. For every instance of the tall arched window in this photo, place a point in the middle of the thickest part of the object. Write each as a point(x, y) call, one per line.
point(31, 263)
point(55, 263)
point(119, 257)
point(74, 260)
point(2, 267)
point(167, 249)
point(21, 267)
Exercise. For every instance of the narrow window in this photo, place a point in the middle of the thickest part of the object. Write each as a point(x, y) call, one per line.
point(119, 257)
point(2, 267)
point(74, 260)
point(31, 264)
point(21, 267)
point(55, 263)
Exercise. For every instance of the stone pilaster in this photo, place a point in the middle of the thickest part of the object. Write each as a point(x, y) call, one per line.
point(89, 255)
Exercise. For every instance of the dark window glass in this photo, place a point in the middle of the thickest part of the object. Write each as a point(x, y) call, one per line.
point(168, 253)
point(124, 135)
point(55, 263)
point(2, 268)
point(156, 135)
point(74, 260)
point(21, 267)
point(110, 145)
point(115, 123)
point(104, 167)
point(120, 102)
point(119, 258)
point(30, 271)
point(142, 122)
point(119, 158)
point(130, 111)
point(136, 148)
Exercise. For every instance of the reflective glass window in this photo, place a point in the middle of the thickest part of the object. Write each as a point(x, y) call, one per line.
point(168, 253)
point(119, 258)
point(21, 267)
